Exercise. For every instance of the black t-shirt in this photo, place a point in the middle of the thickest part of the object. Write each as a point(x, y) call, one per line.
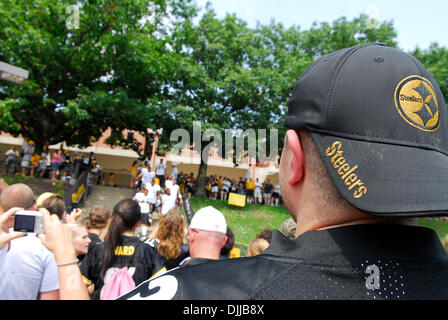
point(141, 259)
point(353, 262)
point(268, 188)
point(95, 240)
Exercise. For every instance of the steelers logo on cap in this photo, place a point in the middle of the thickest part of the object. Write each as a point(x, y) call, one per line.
point(416, 103)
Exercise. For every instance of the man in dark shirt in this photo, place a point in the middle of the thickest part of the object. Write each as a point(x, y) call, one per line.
point(366, 154)
point(267, 192)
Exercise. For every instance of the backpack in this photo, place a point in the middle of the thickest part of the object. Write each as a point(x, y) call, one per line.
point(119, 283)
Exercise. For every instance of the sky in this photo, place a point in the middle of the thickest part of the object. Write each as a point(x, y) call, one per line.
point(418, 23)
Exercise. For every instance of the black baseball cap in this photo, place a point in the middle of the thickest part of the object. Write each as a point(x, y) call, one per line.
point(379, 121)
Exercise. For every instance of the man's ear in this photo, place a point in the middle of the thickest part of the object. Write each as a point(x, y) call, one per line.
point(297, 160)
point(191, 235)
point(224, 240)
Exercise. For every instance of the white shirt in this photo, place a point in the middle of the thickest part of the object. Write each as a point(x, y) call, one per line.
point(277, 189)
point(27, 153)
point(168, 202)
point(174, 172)
point(160, 169)
point(28, 268)
point(143, 201)
point(152, 192)
point(147, 176)
point(258, 186)
point(12, 154)
point(3, 255)
point(174, 190)
point(168, 183)
point(226, 184)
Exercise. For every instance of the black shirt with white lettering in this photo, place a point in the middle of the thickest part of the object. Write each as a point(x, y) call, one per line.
point(140, 258)
point(377, 262)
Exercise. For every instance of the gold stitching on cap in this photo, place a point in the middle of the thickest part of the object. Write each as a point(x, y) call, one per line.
point(416, 102)
point(345, 170)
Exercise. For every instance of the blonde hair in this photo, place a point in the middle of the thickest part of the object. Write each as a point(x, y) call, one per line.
point(42, 197)
point(257, 246)
point(170, 232)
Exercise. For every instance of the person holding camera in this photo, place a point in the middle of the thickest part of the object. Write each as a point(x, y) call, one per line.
point(365, 155)
point(5, 235)
point(29, 270)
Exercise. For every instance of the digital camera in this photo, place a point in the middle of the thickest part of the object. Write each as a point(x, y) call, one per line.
point(29, 221)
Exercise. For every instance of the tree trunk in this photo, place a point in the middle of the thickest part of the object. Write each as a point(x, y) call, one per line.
point(202, 173)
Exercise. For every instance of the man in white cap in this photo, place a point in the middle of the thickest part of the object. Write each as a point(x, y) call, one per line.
point(207, 235)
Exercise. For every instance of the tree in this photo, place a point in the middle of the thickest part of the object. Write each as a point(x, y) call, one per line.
point(108, 71)
point(231, 76)
point(324, 38)
point(435, 59)
point(226, 80)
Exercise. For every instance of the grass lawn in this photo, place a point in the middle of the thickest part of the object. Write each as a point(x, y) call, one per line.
point(441, 227)
point(246, 222)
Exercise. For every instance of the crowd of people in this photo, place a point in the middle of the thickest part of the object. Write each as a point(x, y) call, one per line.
point(63, 164)
point(105, 243)
point(155, 195)
point(365, 156)
point(215, 187)
point(59, 164)
point(218, 188)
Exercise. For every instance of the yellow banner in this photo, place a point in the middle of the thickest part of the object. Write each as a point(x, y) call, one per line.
point(238, 200)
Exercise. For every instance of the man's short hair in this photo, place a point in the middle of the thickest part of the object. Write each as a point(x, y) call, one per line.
point(326, 194)
point(17, 195)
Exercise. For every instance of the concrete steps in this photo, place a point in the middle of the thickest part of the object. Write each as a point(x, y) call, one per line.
point(106, 196)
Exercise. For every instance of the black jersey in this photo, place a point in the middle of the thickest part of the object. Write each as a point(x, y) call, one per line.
point(353, 262)
point(95, 240)
point(141, 259)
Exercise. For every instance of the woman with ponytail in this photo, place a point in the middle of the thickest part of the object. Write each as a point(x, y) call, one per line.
point(121, 248)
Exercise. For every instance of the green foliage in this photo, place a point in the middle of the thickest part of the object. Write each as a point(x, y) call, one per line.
point(106, 74)
point(325, 38)
point(435, 59)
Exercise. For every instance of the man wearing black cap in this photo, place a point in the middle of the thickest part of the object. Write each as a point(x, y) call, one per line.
point(366, 154)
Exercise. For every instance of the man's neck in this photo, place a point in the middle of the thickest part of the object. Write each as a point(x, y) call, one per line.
point(331, 223)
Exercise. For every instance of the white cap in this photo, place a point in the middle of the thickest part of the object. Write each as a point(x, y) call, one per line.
point(209, 219)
